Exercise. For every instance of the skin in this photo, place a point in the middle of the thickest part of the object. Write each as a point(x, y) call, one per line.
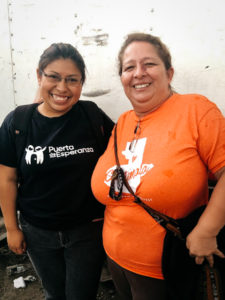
point(201, 242)
point(58, 98)
point(8, 193)
point(141, 65)
point(37, 98)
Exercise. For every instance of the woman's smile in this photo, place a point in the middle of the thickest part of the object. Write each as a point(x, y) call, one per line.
point(58, 92)
point(145, 80)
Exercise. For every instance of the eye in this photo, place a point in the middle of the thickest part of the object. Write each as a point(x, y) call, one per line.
point(128, 68)
point(54, 77)
point(72, 80)
point(150, 64)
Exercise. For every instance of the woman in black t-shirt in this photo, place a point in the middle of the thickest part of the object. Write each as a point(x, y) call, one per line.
point(60, 221)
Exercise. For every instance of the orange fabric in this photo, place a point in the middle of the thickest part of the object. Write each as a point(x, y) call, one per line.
point(177, 145)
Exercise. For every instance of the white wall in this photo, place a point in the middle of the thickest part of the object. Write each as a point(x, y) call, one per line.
point(7, 100)
point(194, 31)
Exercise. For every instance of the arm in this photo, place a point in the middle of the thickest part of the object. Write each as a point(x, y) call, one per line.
point(8, 194)
point(201, 242)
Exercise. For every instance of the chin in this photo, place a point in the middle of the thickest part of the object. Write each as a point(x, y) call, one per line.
point(140, 101)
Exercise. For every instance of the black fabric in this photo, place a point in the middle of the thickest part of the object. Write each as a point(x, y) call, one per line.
point(56, 167)
point(101, 124)
point(185, 279)
point(130, 285)
point(20, 124)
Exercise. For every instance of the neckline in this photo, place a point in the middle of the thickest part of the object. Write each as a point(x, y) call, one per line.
point(53, 119)
point(156, 111)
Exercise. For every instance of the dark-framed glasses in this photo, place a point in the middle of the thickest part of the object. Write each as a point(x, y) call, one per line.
point(70, 80)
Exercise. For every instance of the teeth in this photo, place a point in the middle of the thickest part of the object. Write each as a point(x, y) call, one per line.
point(139, 86)
point(59, 98)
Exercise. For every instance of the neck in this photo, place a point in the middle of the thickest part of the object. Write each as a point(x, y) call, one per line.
point(141, 114)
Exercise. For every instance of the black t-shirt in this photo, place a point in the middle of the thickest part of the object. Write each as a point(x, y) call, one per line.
point(56, 168)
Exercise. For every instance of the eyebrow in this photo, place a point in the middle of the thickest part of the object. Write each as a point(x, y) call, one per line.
point(143, 59)
point(71, 75)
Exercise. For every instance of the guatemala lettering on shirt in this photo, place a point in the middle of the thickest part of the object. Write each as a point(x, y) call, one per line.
point(134, 169)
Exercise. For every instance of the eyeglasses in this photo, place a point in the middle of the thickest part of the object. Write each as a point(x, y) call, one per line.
point(70, 81)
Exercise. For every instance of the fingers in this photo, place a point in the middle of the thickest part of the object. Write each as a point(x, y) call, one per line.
point(210, 260)
point(16, 241)
point(18, 250)
point(24, 246)
point(219, 253)
point(200, 259)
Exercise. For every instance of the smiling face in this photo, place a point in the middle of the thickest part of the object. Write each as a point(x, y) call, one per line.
point(59, 96)
point(145, 80)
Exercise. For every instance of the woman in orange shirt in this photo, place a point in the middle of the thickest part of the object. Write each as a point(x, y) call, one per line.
point(166, 146)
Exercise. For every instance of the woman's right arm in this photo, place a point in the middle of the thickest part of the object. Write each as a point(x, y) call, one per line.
point(8, 195)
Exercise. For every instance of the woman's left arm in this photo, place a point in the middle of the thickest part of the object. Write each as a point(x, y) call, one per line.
point(201, 242)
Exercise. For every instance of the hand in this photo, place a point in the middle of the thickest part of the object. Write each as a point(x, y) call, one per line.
point(202, 246)
point(16, 241)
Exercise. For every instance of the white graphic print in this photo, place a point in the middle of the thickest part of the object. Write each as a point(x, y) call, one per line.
point(68, 150)
point(37, 151)
point(134, 169)
point(53, 152)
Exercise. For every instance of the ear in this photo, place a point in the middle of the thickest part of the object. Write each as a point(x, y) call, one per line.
point(38, 98)
point(170, 73)
point(39, 76)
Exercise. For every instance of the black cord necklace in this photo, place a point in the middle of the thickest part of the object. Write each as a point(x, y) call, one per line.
point(137, 132)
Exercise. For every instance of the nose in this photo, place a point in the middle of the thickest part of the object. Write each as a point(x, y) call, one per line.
point(62, 85)
point(139, 71)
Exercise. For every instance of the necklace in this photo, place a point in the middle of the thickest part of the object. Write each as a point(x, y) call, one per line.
point(137, 132)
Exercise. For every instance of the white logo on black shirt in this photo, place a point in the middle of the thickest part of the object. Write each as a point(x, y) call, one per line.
point(37, 151)
point(53, 152)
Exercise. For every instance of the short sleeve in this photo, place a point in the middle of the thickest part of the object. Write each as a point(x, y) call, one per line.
point(211, 140)
point(7, 144)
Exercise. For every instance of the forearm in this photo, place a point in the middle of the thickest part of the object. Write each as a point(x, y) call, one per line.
point(202, 241)
point(8, 195)
point(213, 218)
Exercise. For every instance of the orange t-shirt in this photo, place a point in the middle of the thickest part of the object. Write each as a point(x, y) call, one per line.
point(177, 144)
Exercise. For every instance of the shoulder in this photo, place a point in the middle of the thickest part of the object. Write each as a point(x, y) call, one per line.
point(126, 116)
point(128, 113)
point(18, 116)
point(89, 107)
point(26, 107)
point(194, 104)
point(87, 103)
point(95, 112)
point(22, 116)
point(7, 122)
point(193, 99)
